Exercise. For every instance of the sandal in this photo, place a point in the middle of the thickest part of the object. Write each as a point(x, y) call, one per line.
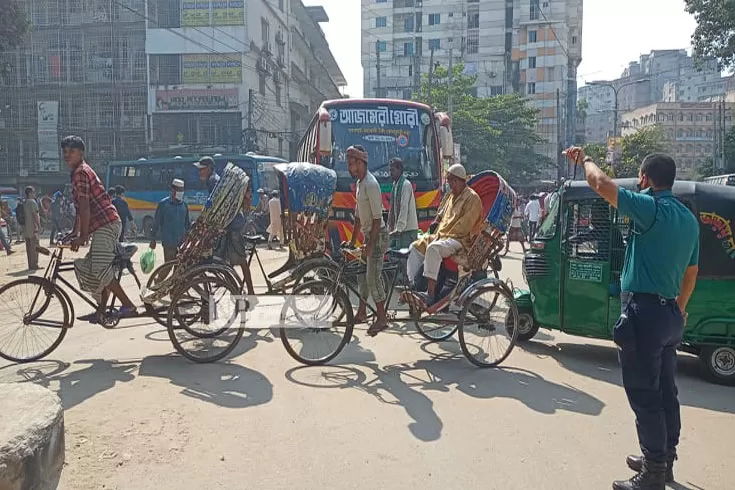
point(376, 328)
point(126, 312)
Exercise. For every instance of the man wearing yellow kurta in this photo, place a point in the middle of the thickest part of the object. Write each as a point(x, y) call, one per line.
point(460, 221)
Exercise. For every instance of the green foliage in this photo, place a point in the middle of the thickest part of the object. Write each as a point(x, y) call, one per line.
point(707, 168)
point(596, 152)
point(714, 36)
point(635, 147)
point(495, 133)
point(13, 27)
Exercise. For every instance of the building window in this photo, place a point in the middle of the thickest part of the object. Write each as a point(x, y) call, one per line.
point(435, 44)
point(709, 135)
point(280, 5)
point(670, 116)
point(531, 88)
point(532, 62)
point(408, 49)
point(381, 1)
point(265, 29)
point(261, 84)
point(381, 21)
point(434, 19)
point(473, 20)
point(700, 117)
point(535, 10)
point(407, 94)
point(681, 116)
point(532, 36)
point(381, 46)
point(709, 116)
point(690, 117)
point(473, 42)
point(278, 94)
point(408, 24)
point(574, 39)
point(496, 90)
point(410, 70)
point(509, 17)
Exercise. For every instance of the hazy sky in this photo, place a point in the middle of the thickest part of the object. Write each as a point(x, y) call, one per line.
point(614, 33)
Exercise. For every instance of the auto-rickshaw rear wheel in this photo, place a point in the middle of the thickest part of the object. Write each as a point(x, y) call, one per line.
point(719, 363)
point(527, 325)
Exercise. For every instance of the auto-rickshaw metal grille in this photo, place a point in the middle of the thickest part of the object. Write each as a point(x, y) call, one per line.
point(535, 266)
point(590, 233)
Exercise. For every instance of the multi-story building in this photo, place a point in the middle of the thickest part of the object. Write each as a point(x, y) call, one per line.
point(531, 47)
point(81, 70)
point(695, 84)
point(691, 129)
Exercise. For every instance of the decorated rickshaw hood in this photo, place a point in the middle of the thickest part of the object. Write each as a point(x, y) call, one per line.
point(307, 188)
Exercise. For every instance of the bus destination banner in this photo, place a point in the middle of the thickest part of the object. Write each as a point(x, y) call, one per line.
point(381, 116)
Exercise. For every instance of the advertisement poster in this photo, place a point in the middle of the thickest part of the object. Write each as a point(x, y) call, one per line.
point(48, 136)
point(48, 115)
point(228, 13)
point(196, 68)
point(195, 13)
point(197, 100)
point(225, 68)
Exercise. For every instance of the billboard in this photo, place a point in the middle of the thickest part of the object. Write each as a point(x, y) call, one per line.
point(197, 100)
point(215, 68)
point(195, 13)
point(48, 137)
point(228, 13)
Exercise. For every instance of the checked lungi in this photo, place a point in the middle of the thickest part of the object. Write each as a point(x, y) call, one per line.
point(95, 272)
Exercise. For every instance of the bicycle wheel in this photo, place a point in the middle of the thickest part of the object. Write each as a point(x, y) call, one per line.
point(437, 327)
point(204, 320)
point(24, 335)
point(485, 332)
point(316, 322)
point(315, 269)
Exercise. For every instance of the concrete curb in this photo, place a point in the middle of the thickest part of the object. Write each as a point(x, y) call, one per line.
point(31, 437)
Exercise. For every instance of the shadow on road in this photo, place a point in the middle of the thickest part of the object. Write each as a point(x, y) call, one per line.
point(601, 363)
point(404, 385)
point(224, 384)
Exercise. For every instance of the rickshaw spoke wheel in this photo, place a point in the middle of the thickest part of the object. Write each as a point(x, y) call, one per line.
point(436, 328)
point(204, 319)
point(316, 322)
point(484, 335)
point(35, 318)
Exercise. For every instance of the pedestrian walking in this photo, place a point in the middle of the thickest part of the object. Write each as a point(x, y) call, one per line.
point(171, 221)
point(403, 224)
point(532, 214)
point(4, 239)
point(275, 229)
point(658, 278)
point(123, 210)
point(57, 204)
point(31, 227)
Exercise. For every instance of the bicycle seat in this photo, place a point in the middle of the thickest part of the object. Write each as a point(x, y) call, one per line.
point(254, 238)
point(400, 253)
point(125, 251)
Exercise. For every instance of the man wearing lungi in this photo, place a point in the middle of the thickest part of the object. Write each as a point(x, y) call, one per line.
point(96, 218)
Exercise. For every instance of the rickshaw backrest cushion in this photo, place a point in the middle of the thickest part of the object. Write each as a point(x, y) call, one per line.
point(486, 185)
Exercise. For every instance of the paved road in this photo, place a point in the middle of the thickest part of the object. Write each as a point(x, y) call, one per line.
point(395, 413)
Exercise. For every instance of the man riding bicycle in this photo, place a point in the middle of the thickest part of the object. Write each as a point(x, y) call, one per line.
point(459, 221)
point(96, 218)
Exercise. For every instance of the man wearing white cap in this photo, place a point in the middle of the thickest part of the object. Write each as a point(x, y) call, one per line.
point(171, 221)
point(459, 222)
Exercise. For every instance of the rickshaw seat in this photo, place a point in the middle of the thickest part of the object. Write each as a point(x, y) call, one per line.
point(450, 265)
point(254, 238)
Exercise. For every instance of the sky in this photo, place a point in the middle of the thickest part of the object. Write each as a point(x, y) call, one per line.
point(614, 33)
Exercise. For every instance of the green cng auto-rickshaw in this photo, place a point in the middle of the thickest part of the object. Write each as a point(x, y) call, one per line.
point(574, 265)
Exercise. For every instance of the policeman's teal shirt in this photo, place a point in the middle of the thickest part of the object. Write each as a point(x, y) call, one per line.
point(665, 241)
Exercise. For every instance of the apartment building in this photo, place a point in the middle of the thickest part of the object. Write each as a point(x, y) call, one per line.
point(691, 129)
point(532, 47)
point(82, 70)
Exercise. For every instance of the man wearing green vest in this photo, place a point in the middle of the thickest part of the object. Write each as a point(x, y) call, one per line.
point(659, 274)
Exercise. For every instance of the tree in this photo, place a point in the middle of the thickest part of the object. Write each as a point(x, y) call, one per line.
point(495, 133)
point(635, 147)
point(596, 152)
point(12, 28)
point(714, 36)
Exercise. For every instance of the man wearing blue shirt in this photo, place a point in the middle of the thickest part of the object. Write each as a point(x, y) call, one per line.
point(171, 221)
point(123, 210)
point(659, 274)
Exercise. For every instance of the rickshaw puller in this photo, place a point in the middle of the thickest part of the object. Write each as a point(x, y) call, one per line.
point(658, 278)
point(459, 222)
point(369, 220)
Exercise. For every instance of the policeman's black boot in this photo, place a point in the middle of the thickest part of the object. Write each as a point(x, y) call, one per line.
point(651, 477)
point(635, 463)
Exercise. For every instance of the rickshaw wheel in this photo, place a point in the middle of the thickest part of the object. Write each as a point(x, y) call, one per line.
point(315, 269)
point(317, 319)
point(488, 314)
point(719, 363)
point(196, 312)
point(527, 325)
point(435, 330)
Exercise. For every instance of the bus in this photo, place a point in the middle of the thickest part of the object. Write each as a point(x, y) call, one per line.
point(386, 128)
point(728, 179)
point(148, 181)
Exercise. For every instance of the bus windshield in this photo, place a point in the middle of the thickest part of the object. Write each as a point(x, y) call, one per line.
point(385, 131)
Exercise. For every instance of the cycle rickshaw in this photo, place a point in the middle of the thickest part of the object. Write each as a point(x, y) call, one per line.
point(201, 314)
point(481, 309)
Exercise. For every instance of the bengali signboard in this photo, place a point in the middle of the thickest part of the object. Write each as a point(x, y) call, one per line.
point(195, 13)
point(48, 136)
point(197, 100)
point(228, 13)
point(205, 68)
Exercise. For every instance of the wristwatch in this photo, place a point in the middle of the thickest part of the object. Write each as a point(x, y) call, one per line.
point(588, 159)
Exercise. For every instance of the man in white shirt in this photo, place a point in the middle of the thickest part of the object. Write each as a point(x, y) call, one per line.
point(369, 220)
point(403, 224)
point(533, 214)
point(275, 229)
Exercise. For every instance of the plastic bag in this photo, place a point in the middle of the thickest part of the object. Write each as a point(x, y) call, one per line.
point(148, 261)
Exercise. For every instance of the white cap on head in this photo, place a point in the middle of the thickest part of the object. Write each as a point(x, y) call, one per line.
point(458, 171)
point(178, 183)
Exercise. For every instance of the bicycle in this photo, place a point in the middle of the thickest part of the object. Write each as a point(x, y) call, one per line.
point(47, 296)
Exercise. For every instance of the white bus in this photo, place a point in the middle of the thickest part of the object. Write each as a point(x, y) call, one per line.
point(728, 179)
